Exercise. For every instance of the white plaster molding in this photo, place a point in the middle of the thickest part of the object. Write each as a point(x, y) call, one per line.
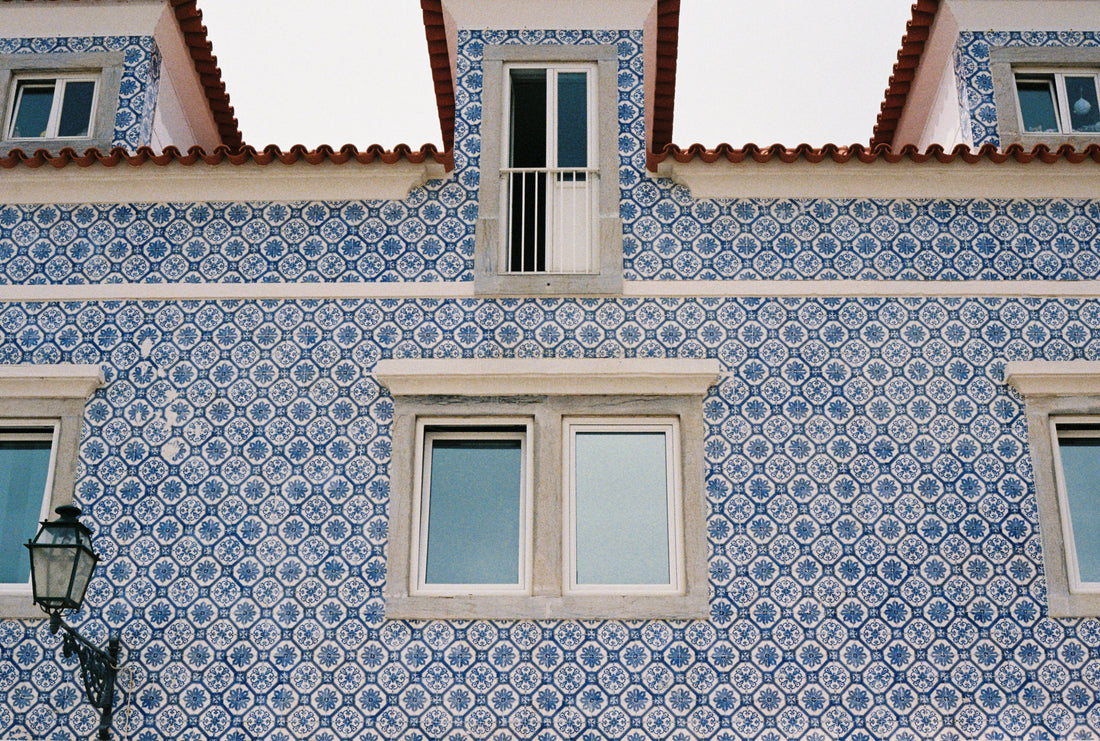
point(181, 82)
point(631, 288)
point(1054, 378)
point(50, 381)
point(547, 376)
point(881, 179)
point(1026, 15)
point(74, 18)
point(150, 183)
point(559, 14)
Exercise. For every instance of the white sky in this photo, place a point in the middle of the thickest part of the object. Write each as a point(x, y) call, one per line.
point(356, 71)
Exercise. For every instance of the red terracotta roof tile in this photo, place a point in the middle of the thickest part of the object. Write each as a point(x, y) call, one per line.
point(869, 154)
point(909, 56)
point(664, 94)
point(440, 61)
point(234, 156)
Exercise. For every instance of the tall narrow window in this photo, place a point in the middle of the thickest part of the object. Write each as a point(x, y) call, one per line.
point(52, 107)
point(473, 529)
point(25, 458)
point(1077, 465)
point(550, 211)
point(623, 516)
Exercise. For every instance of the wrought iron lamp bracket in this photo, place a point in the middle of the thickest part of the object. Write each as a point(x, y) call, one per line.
point(98, 668)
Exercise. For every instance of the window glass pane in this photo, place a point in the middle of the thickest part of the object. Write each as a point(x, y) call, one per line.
point(1037, 105)
point(475, 490)
point(1081, 466)
point(24, 468)
point(1084, 113)
point(32, 109)
point(528, 118)
point(572, 119)
point(621, 505)
point(76, 110)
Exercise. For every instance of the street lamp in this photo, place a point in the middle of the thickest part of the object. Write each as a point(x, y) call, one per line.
point(62, 562)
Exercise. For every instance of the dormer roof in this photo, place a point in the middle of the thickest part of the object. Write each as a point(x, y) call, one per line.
point(917, 31)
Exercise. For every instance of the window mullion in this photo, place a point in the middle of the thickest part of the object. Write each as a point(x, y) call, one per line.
point(55, 108)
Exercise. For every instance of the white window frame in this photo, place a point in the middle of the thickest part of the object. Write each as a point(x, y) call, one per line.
point(1073, 568)
point(1056, 79)
point(670, 428)
point(1056, 392)
point(60, 82)
point(491, 274)
point(548, 393)
point(42, 396)
point(429, 429)
point(554, 227)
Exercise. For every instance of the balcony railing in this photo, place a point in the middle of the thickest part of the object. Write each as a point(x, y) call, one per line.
point(551, 219)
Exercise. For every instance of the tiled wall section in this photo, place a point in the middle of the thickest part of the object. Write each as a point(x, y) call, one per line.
point(976, 83)
point(874, 556)
point(429, 237)
point(140, 77)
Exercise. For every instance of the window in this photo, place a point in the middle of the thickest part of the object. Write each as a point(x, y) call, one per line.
point(1046, 95)
point(549, 189)
point(41, 413)
point(549, 174)
point(52, 107)
point(473, 532)
point(509, 501)
point(1063, 415)
point(60, 100)
point(26, 455)
point(1077, 474)
point(623, 519)
point(1058, 102)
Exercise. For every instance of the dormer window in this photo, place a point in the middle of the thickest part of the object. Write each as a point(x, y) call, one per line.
point(52, 107)
point(1064, 102)
point(57, 100)
point(550, 170)
point(549, 199)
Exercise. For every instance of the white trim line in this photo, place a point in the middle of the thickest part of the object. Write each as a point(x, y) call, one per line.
point(631, 289)
point(52, 381)
point(1054, 377)
point(547, 376)
point(200, 182)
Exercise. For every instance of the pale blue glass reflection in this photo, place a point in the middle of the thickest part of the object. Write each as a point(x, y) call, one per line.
point(1037, 105)
point(572, 119)
point(1081, 466)
point(32, 116)
point(24, 468)
point(621, 508)
point(475, 489)
point(76, 111)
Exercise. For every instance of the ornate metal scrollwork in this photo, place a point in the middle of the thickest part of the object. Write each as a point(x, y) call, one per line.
point(98, 669)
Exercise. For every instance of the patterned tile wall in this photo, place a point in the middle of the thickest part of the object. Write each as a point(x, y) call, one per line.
point(975, 83)
point(140, 77)
point(873, 547)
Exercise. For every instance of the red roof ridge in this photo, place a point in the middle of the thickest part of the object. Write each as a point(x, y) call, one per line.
point(905, 69)
point(189, 19)
point(878, 152)
point(240, 155)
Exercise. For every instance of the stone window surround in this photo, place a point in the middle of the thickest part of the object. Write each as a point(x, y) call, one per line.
point(488, 276)
point(107, 64)
point(546, 391)
point(1006, 61)
point(1060, 391)
point(47, 396)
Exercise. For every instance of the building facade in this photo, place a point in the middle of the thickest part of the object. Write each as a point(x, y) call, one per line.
point(559, 431)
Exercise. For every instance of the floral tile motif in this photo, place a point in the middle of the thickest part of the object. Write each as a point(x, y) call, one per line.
point(139, 84)
point(874, 556)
